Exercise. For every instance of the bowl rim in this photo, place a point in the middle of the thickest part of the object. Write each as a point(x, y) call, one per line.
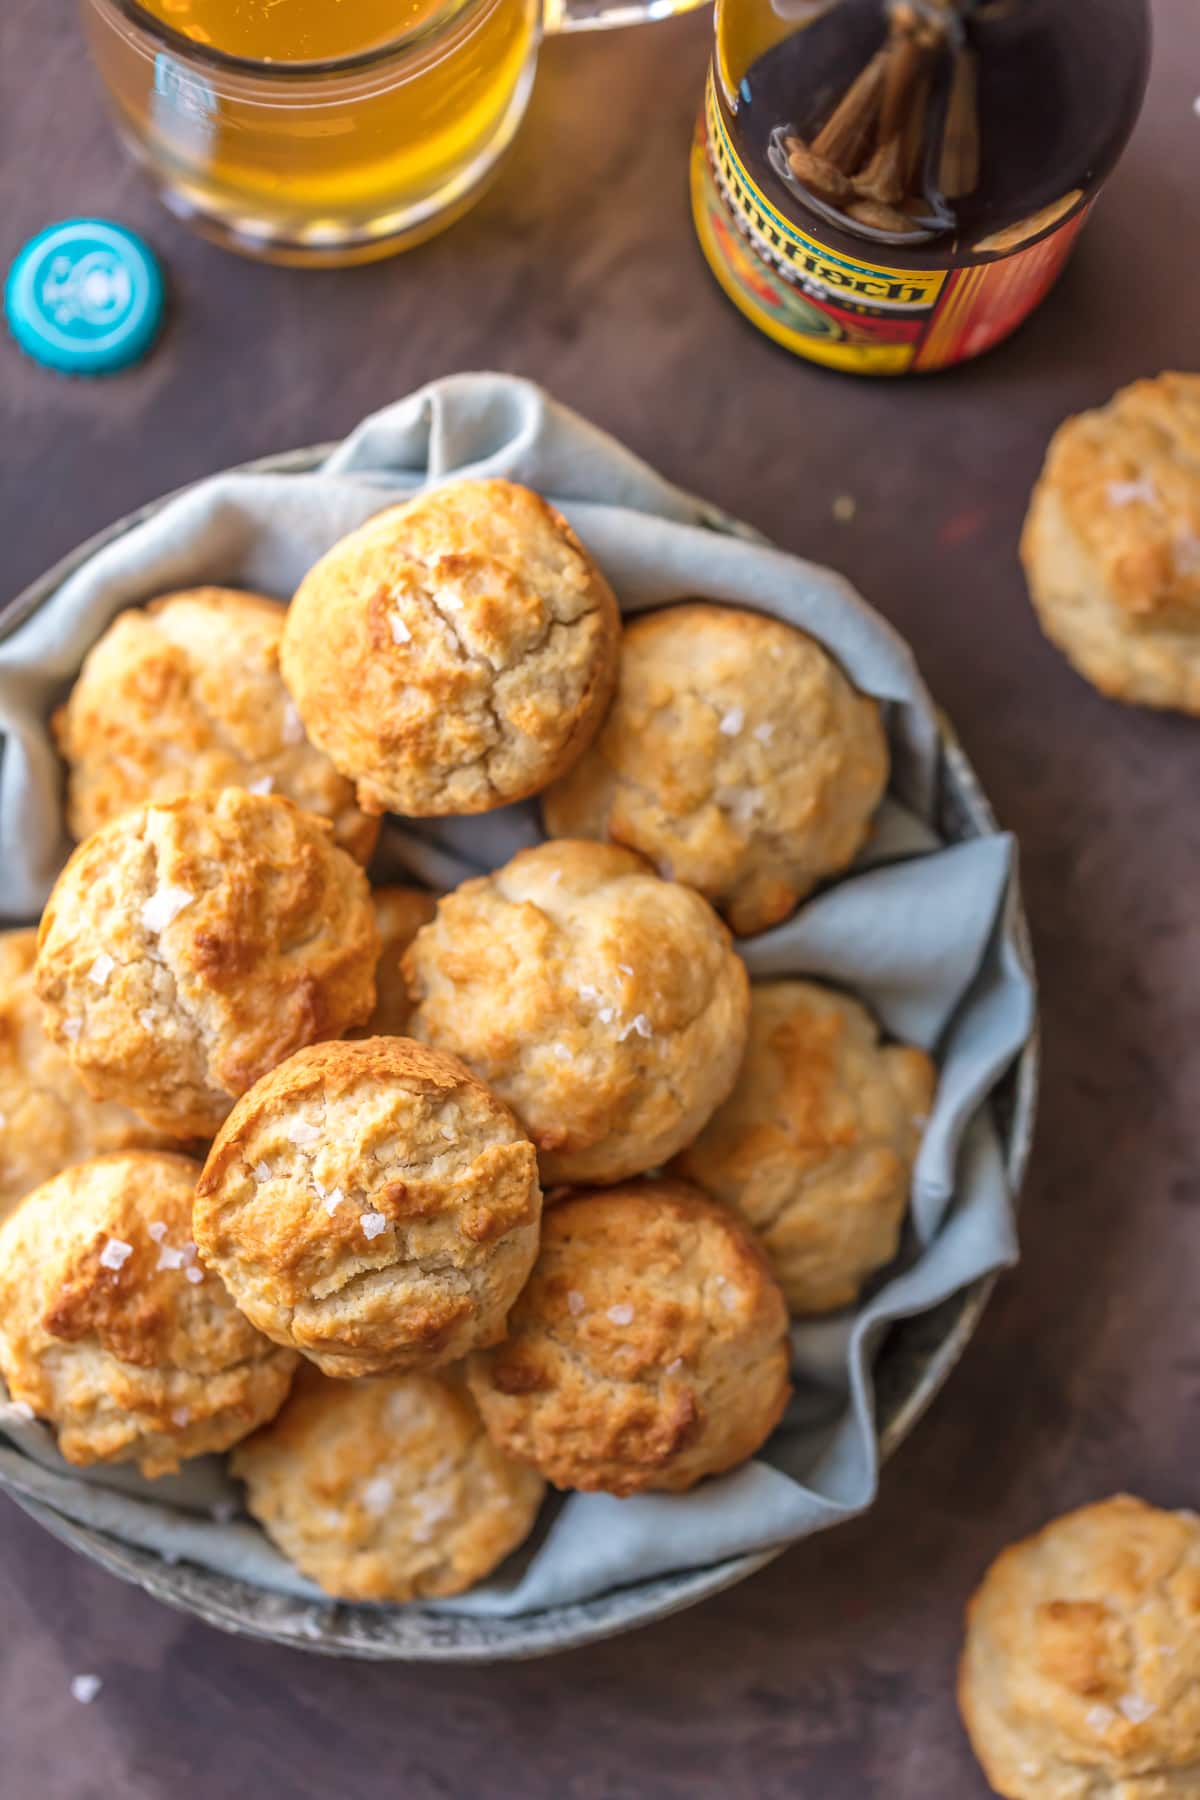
point(462, 1638)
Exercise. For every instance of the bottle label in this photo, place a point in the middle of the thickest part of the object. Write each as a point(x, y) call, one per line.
point(846, 313)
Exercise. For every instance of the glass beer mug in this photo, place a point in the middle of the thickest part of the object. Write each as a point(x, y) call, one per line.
point(311, 132)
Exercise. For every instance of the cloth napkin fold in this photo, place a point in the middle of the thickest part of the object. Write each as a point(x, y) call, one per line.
point(924, 933)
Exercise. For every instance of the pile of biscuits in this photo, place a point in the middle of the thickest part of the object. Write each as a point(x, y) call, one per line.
point(275, 1143)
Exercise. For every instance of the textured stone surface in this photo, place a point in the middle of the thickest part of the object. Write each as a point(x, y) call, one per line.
point(829, 1674)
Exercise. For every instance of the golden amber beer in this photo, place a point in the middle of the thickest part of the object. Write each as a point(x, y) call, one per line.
point(326, 130)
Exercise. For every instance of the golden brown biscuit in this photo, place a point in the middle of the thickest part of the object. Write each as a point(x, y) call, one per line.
point(454, 653)
point(185, 695)
point(112, 1330)
point(387, 1489)
point(1111, 545)
point(400, 913)
point(372, 1205)
point(190, 946)
point(606, 1006)
point(1080, 1679)
point(648, 1350)
point(47, 1120)
point(736, 756)
point(815, 1145)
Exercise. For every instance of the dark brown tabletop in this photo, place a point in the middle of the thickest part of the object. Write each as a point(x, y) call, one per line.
point(829, 1675)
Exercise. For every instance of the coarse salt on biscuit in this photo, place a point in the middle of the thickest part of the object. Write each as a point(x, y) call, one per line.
point(372, 1205)
point(735, 755)
point(815, 1145)
point(1080, 1677)
point(455, 653)
point(47, 1119)
point(1111, 544)
point(237, 932)
point(579, 948)
point(114, 1342)
point(183, 695)
point(648, 1350)
point(387, 1489)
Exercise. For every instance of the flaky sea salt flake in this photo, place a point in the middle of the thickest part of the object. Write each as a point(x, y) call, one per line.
point(373, 1223)
point(562, 1053)
point(764, 732)
point(1135, 1708)
point(675, 1366)
point(333, 1199)
point(164, 905)
point(115, 1254)
point(262, 1171)
point(169, 1258)
point(575, 1303)
point(102, 968)
point(1099, 1718)
point(181, 1417)
point(622, 1314)
point(378, 1494)
point(194, 1273)
point(157, 1230)
point(264, 785)
point(293, 725)
point(1126, 493)
point(400, 632)
point(72, 1029)
point(732, 721)
point(301, 1132)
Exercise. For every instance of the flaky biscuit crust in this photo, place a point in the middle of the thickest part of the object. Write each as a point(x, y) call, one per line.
point(372, 1205)
point(607, 1006)
point(400, 913)
point(1080, 1679)
point(189, 947)
point(387, 1490)
point(648, 1350)
point(47, 1120)
point(1111, 544)
point(183, 695)
point(455, 653)
point(816, 1144)
point(133, 1354)
point(736, 756)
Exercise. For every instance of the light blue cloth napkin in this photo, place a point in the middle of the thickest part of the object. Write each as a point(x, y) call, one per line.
point(924, 934)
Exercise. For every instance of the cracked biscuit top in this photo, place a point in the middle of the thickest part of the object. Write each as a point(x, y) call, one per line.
point(190, 946)
point(736, 756)
point(815, 1146)
point(1111, 544)
point(47, 1119)
point(113, 1331)
point(649, 1349)
point(185, 695)
point(455, 653)
point(607, 1006)
point(387, 1489)
point(373, 1205)
point(1080, 1677)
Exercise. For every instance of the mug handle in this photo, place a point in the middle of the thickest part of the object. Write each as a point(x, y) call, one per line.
point(602, 15)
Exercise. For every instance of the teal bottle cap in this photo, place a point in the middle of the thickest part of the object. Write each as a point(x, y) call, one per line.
point(85, 297)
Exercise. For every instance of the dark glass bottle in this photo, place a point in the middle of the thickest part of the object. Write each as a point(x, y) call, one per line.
point(893, 185)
